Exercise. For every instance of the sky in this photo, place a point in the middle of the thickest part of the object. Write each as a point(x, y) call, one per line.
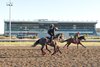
point(58, 10)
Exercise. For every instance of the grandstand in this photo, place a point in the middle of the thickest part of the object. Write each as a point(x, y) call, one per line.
point(40, 27)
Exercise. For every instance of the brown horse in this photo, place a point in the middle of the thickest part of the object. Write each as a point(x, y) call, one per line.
point(72, 40)
point(46, 41)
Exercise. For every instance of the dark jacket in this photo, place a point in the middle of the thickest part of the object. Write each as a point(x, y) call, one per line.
point(76, 35)
point(51, 30)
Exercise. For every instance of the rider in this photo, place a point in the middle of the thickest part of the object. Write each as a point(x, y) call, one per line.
point(51, 31)
point(76, 36)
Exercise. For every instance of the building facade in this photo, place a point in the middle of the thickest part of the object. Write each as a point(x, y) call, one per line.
point(40, 27)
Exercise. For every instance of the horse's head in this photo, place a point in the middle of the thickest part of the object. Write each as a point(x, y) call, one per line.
point(82, 37)
point(60, 36)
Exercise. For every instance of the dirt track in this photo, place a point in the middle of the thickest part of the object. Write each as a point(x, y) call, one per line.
point(31, 57)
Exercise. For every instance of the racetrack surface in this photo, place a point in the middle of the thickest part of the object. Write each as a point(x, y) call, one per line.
point(26, 56)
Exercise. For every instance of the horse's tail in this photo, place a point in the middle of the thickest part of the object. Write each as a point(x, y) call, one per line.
point(36, 43)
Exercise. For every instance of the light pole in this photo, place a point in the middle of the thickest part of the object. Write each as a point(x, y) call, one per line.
point(9, 4)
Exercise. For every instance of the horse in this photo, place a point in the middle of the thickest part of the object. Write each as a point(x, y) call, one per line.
point(46, 41)
point(72, 40)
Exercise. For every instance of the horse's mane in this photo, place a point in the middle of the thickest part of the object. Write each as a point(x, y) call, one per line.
point(57, 35)
point(81, 37)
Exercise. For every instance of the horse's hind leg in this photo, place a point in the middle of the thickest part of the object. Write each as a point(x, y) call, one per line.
point(43, 53)
point(48, 49)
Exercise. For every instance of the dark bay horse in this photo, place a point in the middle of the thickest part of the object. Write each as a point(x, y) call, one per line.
point(72, 40)
point(46, 41)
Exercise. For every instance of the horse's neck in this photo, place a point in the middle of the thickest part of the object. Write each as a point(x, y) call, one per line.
point(56, 38)
point(80, 38)
point(71, 38)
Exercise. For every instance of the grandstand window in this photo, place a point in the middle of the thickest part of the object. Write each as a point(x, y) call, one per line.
point(74, 26)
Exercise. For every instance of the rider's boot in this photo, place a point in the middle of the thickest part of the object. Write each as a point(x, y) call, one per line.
point(51, 39)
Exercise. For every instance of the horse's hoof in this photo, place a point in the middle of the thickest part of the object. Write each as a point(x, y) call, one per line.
point(43, 53)
point(52, 54)
point(49, 51)
point(60, 53)
point(84, 47)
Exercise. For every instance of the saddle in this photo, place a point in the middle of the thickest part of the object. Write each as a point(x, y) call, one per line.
point(48, 38)
point(75, 41)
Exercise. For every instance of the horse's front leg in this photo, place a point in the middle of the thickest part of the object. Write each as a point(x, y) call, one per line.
point(64, 45)
point(82, 45)
point(43, 53)
point(77, 46)
point(67, 45)
point(54, 50)
point(48, 49)
point(59, 50)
